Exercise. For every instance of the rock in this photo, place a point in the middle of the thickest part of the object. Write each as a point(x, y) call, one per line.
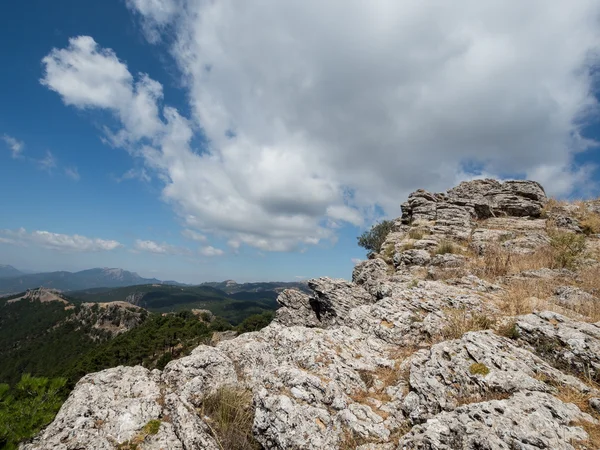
point(219, 336)
point(526, 420)
point(569, 344)
point(296, 308)
point(105, 409)
point(572, 296)
point(334, 298)
point(369, 274)
point(202, 372)
point(473, 367)
point(412, 258)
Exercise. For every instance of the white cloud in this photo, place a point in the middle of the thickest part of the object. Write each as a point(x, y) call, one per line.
point(156, 14)
point(60, 242)
point(89, 77)
point(46, 163)
point(73, 173)
point(15, 146)
point(210, 251)
point(134, 174)
point(194, 236)
point(314, 120)
point(356, 260)
point(161, 249)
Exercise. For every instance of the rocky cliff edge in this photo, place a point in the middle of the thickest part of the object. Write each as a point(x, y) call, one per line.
point(476, 326)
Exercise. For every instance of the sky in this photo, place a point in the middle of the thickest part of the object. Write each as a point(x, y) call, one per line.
point(202, 140)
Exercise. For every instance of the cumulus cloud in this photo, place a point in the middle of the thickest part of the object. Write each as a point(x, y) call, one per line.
point(210, 251)
point(73, 173)
point(315, 121)
point(15, 146)
point(159, 248)
point(56, 241)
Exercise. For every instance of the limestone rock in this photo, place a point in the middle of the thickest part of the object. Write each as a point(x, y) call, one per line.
point(567, 343)
point(526, 420)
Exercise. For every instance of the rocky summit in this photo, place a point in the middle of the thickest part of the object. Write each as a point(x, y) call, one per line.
point(475, 326)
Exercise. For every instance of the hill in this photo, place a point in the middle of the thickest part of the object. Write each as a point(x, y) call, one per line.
point(168, 298)
point(475, 325)
point(231, 287)
point(69, 281)
point(42, 332)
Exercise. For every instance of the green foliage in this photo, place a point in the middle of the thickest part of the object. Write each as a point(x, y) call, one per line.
point(152, 344)
point(37, 338)
point(374, 238)
point(479, 369)
point(233, 307)
point(567, 247)
point(152, 427)
point(27, 407)
point(255, 322)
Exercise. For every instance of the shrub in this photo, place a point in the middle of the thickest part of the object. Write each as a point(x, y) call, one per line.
point(567, 247)
point(373, 239)
point(231, 416)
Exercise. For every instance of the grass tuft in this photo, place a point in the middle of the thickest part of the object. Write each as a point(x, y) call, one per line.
point(230, 416)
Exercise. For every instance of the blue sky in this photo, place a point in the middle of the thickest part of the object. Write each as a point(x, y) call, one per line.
point(196, 141)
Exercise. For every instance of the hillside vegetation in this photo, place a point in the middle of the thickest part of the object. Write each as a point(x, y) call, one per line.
point(233, 307)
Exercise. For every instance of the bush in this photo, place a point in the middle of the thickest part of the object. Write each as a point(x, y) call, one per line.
point(567, 247)
point(373, 239)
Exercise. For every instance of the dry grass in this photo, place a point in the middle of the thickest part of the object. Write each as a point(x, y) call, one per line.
point(445, 247)
point(481, 397)
point(230, 416)
point(461, 321)
point(416, 233)
point(497, 261)
point(377, 381)
point(350, 440)
point(525, 296)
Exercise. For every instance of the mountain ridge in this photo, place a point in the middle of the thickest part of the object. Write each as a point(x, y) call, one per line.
point(476, 324)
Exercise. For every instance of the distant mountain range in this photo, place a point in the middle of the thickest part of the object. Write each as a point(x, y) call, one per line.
point(69, 281)
point(9, 271)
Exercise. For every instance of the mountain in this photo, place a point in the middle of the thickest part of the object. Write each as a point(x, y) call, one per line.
point(164, 298)
point(474, 325)
point(68, 281)
point(231, 287)
point(9, 271)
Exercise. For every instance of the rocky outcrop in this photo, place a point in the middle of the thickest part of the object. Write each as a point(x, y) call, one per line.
point(417, 352)
point(109, 319)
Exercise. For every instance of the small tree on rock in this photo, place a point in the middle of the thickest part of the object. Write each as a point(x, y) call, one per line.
point(373, 239)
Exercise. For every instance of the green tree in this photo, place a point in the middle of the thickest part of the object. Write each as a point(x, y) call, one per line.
point(255, 322)
point(27, 407)
point(373, 239)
